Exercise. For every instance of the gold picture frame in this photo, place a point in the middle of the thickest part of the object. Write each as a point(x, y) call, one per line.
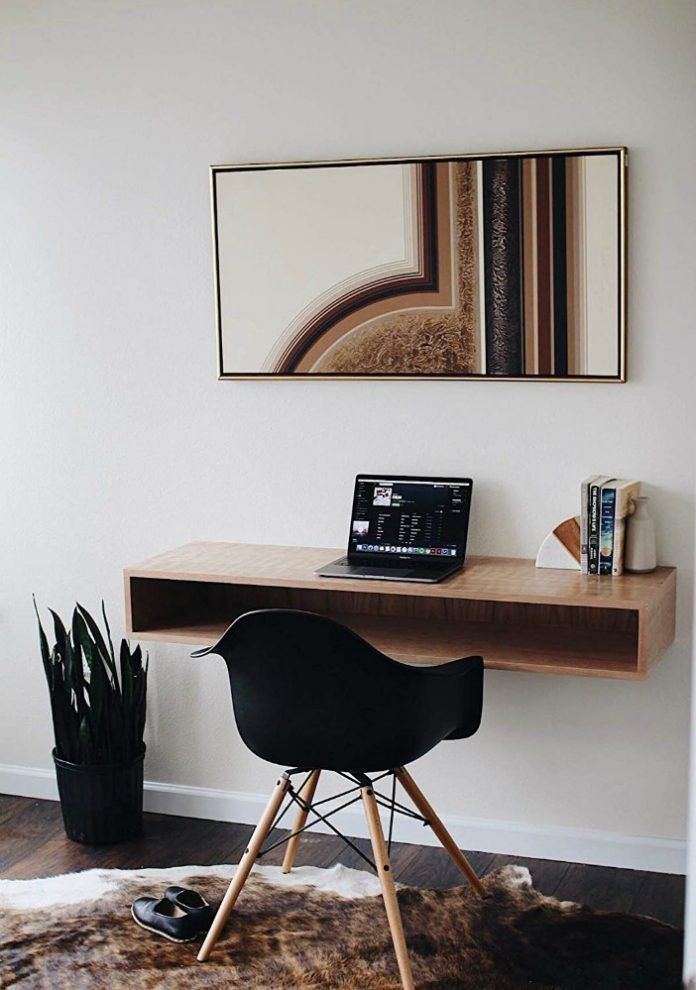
point(554, 222)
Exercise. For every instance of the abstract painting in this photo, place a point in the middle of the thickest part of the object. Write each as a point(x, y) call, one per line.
point(495, 266)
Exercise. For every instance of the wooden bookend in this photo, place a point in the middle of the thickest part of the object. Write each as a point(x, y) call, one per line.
point(561, 548)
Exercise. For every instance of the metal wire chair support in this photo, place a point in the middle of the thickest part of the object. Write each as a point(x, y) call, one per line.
point(359, 781)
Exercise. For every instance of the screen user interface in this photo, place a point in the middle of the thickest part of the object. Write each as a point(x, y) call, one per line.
point(420, 519)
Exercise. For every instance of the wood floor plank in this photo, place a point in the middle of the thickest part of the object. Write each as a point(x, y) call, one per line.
point(431, 866)
point(27, 825)
point(600, 886)
point(33, 844)
point(662, 896)
point(36, 845)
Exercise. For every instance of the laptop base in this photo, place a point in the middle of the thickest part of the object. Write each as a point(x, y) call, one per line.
point(343, 568)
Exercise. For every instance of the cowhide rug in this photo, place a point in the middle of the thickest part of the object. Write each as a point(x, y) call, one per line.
point(326, 930)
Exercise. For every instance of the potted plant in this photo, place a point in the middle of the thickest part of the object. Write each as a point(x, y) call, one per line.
point(98, 709)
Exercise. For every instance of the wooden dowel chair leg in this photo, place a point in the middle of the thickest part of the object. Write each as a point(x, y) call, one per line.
point(386, 880)
point(245, 864)
point(307, 794)
point(428, 812)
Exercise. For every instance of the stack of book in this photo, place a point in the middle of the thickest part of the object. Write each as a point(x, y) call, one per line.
point(606, 503)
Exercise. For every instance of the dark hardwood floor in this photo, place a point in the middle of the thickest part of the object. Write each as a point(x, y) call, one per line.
point(33, 844)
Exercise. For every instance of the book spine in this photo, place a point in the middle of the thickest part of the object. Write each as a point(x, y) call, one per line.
point(593, 534)
point(584, 502)
point(606, 539)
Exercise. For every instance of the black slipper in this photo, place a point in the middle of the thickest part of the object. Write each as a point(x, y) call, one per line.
point(162, 917)
point(192, 903)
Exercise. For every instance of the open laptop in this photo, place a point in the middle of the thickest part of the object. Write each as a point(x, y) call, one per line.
point(405, 529)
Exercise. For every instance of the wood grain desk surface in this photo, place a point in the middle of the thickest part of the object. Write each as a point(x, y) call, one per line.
point(510, 579)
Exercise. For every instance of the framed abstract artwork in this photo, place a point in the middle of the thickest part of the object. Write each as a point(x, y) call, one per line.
point(509, 266)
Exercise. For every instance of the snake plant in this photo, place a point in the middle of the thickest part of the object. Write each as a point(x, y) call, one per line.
point(97, 700)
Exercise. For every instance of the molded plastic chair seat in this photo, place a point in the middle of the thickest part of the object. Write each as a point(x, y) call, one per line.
point(309, 692)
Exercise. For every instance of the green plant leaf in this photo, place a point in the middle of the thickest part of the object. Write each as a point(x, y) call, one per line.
point(80, 640)
point(98, 704)
point(102, 699)
point(100, 644)
point(65, 719)
point(97, 689)
point(108, 633)
point(126, 676)
point(137, 659)
point(43, 642)
point(63, 645)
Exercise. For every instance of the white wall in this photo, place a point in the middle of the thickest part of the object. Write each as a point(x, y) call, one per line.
point(117, 441)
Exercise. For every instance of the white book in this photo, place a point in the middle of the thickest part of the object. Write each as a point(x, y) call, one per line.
point(626, 494)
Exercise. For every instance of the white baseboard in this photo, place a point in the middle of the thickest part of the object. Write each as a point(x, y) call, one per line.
point(28, 782)
point(554, 842)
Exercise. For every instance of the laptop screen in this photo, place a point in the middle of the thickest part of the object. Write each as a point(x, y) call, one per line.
point(423, 519)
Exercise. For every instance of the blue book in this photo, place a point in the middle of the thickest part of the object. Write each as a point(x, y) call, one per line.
point(606, 530)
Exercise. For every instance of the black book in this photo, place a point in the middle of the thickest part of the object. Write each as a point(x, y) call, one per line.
point(593, 512)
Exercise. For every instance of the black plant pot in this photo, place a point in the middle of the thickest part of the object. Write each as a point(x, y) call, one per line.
point(101, 803)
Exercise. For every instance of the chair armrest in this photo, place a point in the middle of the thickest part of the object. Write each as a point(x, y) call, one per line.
point(203, 652)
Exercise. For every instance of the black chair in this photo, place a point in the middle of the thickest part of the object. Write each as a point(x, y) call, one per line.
point(311, 694)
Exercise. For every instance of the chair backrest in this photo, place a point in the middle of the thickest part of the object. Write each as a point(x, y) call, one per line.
point(309, 692)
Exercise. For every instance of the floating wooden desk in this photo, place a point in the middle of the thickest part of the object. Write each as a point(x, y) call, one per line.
point(518, 617)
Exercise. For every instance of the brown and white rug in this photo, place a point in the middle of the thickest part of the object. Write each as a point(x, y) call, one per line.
point(326, 930)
